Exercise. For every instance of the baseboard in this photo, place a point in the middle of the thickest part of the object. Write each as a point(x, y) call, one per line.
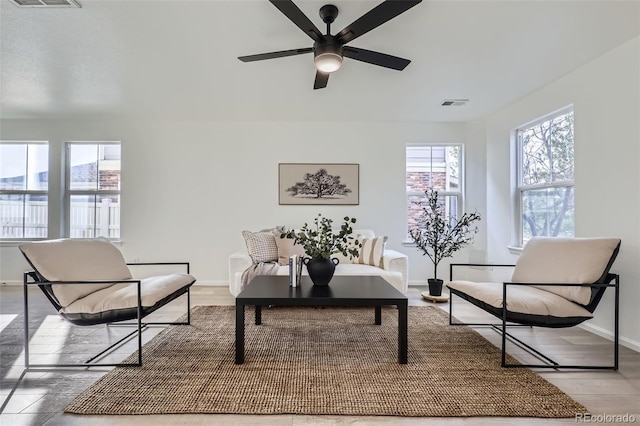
point(602, 332)
point(11, 282)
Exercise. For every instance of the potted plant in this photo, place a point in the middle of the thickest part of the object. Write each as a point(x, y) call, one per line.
point(439, 236)
point(320, 241)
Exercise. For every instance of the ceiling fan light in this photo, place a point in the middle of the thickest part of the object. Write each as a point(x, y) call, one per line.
point(328, 61)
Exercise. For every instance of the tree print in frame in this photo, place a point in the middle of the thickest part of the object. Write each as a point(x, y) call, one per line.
point(318, 183)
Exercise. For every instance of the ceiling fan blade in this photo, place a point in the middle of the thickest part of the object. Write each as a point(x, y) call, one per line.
point(376, 58)
point(291, 11)
point(273, 55)
point(321, 80)
point(377, 16)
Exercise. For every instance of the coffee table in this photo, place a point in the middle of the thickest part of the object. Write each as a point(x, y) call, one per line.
point(348, 291)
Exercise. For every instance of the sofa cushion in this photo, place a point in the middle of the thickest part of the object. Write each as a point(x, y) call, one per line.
point(371, 251)
point(566, 260)
point(261, 246)
point(76, 260)
point(287, 248)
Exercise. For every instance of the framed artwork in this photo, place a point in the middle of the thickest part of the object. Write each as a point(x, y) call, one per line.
point(318, 183)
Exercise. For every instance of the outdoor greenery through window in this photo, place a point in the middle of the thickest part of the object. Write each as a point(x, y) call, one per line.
point(24, 186)
point(93, 190)
point(545, 177)
point(434, 166)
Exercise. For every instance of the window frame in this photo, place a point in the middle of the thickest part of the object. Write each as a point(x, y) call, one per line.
point(520, 188)
point(68, 192)
point(459, 195)
point(26, 191)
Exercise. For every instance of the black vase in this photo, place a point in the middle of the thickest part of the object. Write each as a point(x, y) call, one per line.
point(321, 270)
point(435, 287)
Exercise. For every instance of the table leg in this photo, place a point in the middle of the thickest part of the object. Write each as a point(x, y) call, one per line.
point(378, 315)
point(239, 334)
point(258, 314)
point(402, 333)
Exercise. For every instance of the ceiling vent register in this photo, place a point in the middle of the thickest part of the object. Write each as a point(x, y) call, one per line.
point(454, 102)
point(46, 3)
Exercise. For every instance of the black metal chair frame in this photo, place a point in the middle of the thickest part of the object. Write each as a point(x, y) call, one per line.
point(32, 278)
point(611, 280)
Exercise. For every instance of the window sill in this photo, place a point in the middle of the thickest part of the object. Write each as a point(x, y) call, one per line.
point(514, 249)
point(16, 243)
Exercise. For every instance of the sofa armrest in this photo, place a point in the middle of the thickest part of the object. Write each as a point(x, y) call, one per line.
point(397, 262)
point(238, 263)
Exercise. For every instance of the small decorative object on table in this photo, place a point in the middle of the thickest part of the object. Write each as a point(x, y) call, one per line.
point(320, 242)
point(294, 265)
point(440, 236)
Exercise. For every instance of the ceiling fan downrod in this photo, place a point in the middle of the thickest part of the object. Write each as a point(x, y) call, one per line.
point(328, 14)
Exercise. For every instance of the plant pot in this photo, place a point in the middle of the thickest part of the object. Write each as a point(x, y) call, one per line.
point(321, 270)
point(435, 287)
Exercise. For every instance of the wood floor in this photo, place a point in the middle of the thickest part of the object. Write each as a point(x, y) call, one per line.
point(41, 396)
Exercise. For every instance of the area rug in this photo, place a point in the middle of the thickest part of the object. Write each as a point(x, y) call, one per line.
point(331, 361)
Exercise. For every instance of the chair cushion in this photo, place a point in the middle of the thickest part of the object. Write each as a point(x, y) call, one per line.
point(125, 296)
point(76, 260)
point(526, 300)
point(566, 260)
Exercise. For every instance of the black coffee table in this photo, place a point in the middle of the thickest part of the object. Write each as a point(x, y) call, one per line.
point(348, 291)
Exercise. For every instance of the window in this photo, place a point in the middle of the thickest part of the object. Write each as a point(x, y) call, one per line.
point(438, 167)
point(93, 189)
point(24, 188)
point(545, 177)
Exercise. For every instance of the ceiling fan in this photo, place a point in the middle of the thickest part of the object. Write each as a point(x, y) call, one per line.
point(329, 50)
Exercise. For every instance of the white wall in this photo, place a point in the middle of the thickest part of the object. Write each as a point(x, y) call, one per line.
point(606, 98)
point(190, 188)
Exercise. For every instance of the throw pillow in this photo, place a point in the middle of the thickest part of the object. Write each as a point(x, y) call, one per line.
point(286, 248)
point(261, 246)
point(346, 260)
point(371, 251)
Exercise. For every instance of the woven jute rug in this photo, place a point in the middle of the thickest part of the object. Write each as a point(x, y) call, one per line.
point(323, 361)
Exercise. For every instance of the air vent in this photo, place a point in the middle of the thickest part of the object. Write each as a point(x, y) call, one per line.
point(46, 3)
point(454, 102)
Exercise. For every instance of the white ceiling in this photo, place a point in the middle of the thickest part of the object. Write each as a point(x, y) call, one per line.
point(160, 59)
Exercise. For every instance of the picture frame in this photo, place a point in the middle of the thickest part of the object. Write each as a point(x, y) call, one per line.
point(298, 183)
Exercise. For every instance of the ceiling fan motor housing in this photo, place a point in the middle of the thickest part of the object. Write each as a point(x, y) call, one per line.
point(328, 54)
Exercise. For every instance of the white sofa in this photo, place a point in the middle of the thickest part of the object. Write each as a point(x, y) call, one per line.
point(394, 270)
